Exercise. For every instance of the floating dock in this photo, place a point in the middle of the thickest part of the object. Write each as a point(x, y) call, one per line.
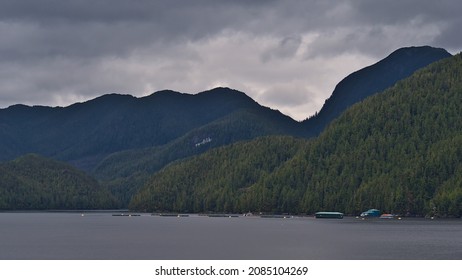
point(223, 215)
point(277, 216)
point(125, 215)
point(170, 215)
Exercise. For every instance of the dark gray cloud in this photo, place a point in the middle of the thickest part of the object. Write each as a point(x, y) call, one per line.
point(286, 54)
point(286, 48)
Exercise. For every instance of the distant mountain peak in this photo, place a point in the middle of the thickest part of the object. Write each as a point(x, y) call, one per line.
point(222, 90)
point(419, 49)
point(166, 92)
point(216, 92)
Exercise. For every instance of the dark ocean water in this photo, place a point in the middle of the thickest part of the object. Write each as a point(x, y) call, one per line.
point(99, 235)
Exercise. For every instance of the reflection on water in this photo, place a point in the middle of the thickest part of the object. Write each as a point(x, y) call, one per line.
point(100, 235)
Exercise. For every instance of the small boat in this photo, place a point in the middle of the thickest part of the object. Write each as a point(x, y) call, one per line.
point(328, 215)
point(371, 213)
point(389, 216)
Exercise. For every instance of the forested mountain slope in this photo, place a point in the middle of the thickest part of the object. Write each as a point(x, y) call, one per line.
point(32, 182)
point(84, 133)
point(125, 172)
point(213, 181)
point(370, 80)
point(399, 151)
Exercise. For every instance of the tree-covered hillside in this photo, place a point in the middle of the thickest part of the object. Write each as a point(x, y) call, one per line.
point(85, 133)
point(399, 151)
point(213, 181)
point(370, 80)
point(32, 182)
point(127, 171)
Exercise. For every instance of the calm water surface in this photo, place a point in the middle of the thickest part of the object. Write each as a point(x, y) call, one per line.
point(103, 236)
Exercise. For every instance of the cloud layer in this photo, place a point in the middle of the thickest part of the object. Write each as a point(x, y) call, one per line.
point(287, 55)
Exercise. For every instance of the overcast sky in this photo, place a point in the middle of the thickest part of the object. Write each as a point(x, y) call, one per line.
point(287, 55)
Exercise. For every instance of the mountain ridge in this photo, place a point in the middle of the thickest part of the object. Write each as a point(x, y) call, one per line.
point(370, 80)
point(114, 122)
